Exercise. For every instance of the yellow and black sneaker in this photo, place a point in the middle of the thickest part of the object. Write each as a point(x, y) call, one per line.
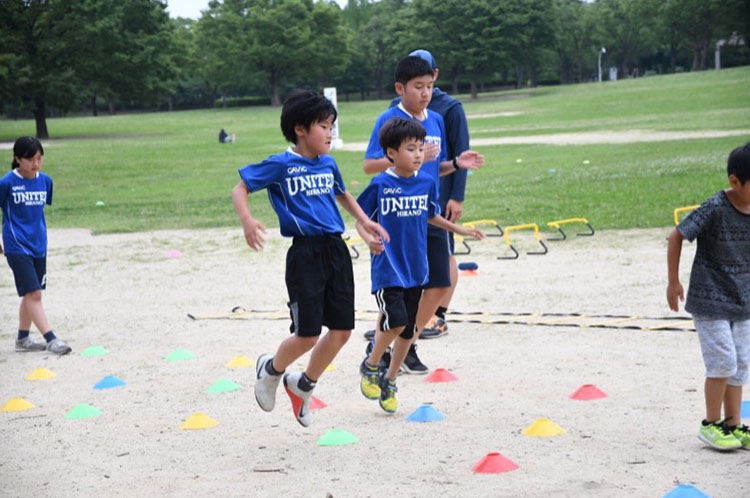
point(388, 390)
point(368, 383)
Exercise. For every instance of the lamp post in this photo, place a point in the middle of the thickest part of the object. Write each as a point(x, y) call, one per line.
point(599, 62)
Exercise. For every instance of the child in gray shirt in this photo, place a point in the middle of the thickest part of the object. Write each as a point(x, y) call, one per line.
point(719, 299)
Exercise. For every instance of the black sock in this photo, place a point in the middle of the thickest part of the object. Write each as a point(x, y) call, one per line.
point(50, 336)
point(441, 312)
point(306, 383)
point(271, 370)
point(22, 334)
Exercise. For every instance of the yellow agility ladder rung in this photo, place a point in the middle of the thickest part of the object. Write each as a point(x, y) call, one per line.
point(682, 210)
point(557, 225)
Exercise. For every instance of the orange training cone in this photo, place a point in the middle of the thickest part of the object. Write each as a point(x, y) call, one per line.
point(587, 392)
point(441, 375)
point(316, 404)
point(494, 463)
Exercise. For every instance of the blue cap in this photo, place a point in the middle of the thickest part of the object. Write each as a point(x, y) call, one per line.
point(424, 54)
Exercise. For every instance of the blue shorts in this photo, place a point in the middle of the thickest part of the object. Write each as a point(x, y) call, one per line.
point(29, 273)
point(438, 258)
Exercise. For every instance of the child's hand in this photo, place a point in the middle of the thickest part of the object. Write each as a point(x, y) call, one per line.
point(431, 151)
point(376, 245)
point(375, 231)
point(254, 231)
point(470, 160)
point(674, 295)
point(471, 232)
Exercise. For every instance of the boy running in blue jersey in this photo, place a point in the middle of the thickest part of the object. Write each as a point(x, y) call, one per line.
point(304, 184)
point(403, 200)
point(414, 81)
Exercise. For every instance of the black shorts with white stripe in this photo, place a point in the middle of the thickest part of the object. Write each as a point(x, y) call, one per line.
point(399, 308)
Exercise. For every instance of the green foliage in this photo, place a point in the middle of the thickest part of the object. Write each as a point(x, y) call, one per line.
point(166, 170)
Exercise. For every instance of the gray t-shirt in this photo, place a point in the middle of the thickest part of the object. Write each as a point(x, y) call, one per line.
point(720, 278)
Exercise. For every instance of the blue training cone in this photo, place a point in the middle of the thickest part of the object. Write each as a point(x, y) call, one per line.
point(745, 409)
point(108, 382)
point(685, 491)
point(426, 413)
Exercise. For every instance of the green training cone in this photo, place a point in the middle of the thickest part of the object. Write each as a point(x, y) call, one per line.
point(92, 351)
point(224, 386)
point(180, 355)
point(83, 410)
point(337, 437)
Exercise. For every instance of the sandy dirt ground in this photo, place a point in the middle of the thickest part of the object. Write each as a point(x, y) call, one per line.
point(124, 293)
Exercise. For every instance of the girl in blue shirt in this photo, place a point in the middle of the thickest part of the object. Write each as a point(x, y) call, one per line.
point(24, 192)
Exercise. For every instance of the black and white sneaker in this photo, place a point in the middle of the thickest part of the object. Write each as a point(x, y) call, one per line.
point(412, 364)
point(369, 335)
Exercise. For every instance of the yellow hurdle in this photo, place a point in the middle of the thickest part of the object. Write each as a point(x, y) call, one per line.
point(557, 225)
point(475, 224)
point(523, 227)
point(682, 210)
point(350, 244)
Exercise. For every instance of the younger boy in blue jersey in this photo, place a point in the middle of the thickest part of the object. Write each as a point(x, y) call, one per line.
point(403, 200)
point(414, 81)
point(719, 299)
point(303, 186)
point(24, 192)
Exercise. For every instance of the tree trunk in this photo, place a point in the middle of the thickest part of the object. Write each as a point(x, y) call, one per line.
point(672, 57)
point(94, 109)
point(532, 77)
point(379, 83)
point(111, 105)
point(474, 93)
point(454, 84)
point(519, 76)
point(275, 90)
point(170, 103)
point(40, 118)
point(362, 93)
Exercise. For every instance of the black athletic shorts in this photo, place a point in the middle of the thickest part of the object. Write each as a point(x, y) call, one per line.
point(320, 283)
point(438, 258)
point(398, 308)
point(29, 273)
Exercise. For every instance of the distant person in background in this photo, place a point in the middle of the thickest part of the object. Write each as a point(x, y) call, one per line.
point(24, 192)
point(224, 138)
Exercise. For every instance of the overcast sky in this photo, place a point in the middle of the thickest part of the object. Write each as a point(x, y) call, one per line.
point(192, 8)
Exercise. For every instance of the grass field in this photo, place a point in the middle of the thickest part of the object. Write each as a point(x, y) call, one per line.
point(166, 170)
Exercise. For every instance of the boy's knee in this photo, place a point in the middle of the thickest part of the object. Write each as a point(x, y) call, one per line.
point(33, 295)
point(341, 336)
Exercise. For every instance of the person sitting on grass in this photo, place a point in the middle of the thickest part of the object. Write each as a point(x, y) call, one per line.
point(719, 299)
point(403, 200)
point(24, 192)
point(304, 184)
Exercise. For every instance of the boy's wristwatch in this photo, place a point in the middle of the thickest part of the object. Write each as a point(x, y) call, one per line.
point(455, 162)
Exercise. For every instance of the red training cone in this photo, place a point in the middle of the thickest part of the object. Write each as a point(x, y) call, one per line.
point(469, 273)
point(587, 392)
point(441, 375)
point(316, 404)
point(494, 463)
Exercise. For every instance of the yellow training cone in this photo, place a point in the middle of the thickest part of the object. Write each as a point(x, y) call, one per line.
point(240, 361)
point(330, 368)
point(16, 405)
point(543, 427)
point(198, 421)
point(41, 374)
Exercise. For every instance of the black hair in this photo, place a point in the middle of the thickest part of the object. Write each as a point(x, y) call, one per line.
point(303, 107)
point(397, 130)
point(738, 163)
point(411, 67)
point(25, 148)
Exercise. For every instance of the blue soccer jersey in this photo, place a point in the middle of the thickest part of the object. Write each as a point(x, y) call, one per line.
point(22, 201)
point(302, 191)
point(433, 124)
point(401, 206)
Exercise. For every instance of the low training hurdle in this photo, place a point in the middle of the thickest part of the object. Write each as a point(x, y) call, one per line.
point(683, 210)
point(557, 225)
point(536, 236)
point(350, 244)
point(475, 224)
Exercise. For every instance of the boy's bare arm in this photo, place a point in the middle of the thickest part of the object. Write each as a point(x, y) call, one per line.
point(252, 228)
point(675, 292)
point(349, 203)
point(374, 166)
point(441, 222)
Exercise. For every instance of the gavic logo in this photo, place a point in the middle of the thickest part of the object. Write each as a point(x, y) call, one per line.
point(296, 169)
point(392, 190)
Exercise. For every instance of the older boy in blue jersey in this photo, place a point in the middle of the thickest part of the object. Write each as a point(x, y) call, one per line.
point(403, 200)
point(719, 299)
point(304, 184)
point(414, 82)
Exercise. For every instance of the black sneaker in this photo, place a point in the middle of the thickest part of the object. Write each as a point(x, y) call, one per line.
point(385, 360)
point(369, 335)
point(412, 364)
